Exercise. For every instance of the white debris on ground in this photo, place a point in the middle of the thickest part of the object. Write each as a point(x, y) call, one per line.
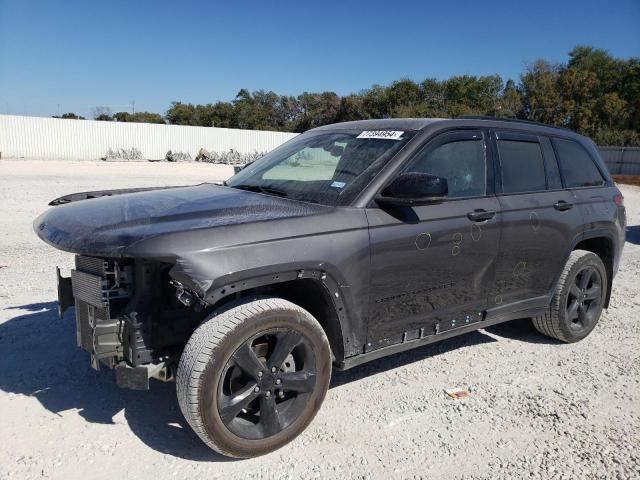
point(539, 409)
point(232, 157)
point(123, 154)
point(177, 157)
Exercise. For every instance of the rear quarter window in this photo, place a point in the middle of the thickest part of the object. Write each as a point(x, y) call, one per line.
point(576, 165)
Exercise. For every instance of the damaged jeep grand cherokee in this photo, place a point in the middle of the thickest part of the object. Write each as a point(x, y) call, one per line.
point(348, 243)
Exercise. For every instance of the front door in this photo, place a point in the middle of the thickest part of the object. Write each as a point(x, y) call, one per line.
point(432, 265)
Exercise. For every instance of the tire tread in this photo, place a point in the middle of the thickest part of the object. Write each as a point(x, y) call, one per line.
point(202, 346)
point(549, 323)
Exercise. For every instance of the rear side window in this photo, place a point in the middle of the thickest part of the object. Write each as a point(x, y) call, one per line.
point(576, 165)
point(522, 166)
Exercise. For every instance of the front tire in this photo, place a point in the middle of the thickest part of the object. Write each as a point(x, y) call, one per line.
point(578, 299)
point(252, 378)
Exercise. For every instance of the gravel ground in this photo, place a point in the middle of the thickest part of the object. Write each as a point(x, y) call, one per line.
point(538, 408)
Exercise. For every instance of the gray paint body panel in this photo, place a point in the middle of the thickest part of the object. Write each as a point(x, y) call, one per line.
point(216, 237)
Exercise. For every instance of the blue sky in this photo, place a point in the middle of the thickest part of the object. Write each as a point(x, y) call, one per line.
point(75, 55)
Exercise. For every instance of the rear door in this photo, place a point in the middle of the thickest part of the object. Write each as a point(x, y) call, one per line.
point(431, 265)
point(585, 181)
point(539, 219)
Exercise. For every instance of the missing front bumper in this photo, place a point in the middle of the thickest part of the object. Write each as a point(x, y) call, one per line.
point(65, 293)
point(100, 289)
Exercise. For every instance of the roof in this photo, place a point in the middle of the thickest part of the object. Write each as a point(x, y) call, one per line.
point(422, 123)
point(383, 124)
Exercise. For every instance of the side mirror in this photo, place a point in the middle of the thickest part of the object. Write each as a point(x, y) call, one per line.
point(411, 189)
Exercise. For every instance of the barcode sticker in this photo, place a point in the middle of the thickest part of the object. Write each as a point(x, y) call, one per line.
point(384, 134)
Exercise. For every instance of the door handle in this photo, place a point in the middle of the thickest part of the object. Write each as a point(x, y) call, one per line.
point(562, 205)
point(480, 215)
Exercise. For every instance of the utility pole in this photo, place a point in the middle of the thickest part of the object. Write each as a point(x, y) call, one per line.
point(133, 107)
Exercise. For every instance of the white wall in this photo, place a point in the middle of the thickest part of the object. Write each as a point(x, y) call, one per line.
point(54, 138)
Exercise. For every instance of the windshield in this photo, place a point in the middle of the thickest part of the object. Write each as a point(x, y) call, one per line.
point(327, 167)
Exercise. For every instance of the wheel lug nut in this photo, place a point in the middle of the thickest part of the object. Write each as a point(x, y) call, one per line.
point(278, 381)
point(281, 394)
point(273, 369)
point(257, 389)
point(259, 374)
point(267, 393)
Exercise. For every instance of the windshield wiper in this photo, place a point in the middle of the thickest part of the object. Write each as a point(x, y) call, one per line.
point(261, 189)
point(306, 199)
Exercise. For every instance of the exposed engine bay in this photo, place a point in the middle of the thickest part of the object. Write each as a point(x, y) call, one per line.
point(130, 316)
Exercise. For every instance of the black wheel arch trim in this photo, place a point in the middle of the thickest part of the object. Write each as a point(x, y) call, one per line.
point(588, 235)
point(225, 288)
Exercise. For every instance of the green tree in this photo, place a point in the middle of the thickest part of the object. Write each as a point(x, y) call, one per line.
point(316, 109)
point(139, 117)
point(629, 91)
point(597, 61)
point(510, 101)
point(435, 98)
point(592, 92)
point(472, 95)
point(147, 117)
point(122, 117)
point(351, 108)
point(69, 115)
point(615, 110)
point(540, 93)
point(577, 90)
point(220, 114)
point(375, 102)
point(182, 114)
point(405, 99)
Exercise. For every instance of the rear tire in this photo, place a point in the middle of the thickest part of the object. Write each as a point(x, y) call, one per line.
point(253, 377)
point(578, 299)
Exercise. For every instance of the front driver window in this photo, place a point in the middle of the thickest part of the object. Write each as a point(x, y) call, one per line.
point(462, 162)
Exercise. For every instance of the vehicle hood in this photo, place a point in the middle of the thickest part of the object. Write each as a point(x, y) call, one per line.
point(111, 225)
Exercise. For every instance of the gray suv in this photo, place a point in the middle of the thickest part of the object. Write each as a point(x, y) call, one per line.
point(346, 244)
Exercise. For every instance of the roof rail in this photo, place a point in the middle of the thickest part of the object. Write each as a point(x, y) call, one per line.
point(507, 119)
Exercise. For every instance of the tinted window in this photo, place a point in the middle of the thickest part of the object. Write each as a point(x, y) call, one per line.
point(577, 167)
point(522, 166)
point(554, 181)
point(461, 162)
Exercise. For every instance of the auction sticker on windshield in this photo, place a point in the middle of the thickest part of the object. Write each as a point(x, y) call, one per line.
point(385, 134)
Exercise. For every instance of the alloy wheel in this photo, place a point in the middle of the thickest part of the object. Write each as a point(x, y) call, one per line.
point(584, 299)
point(266, 383)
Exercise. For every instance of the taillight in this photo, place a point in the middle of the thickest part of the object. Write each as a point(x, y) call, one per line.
point(619, 200)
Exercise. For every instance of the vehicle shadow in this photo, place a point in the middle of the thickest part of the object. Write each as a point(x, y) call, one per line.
point(41, 360)
point(408, 357)
point(523, 330)
point(633, 234)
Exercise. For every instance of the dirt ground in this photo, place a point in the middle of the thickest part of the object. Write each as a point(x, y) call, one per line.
point(627, 179)
point(538, 409)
